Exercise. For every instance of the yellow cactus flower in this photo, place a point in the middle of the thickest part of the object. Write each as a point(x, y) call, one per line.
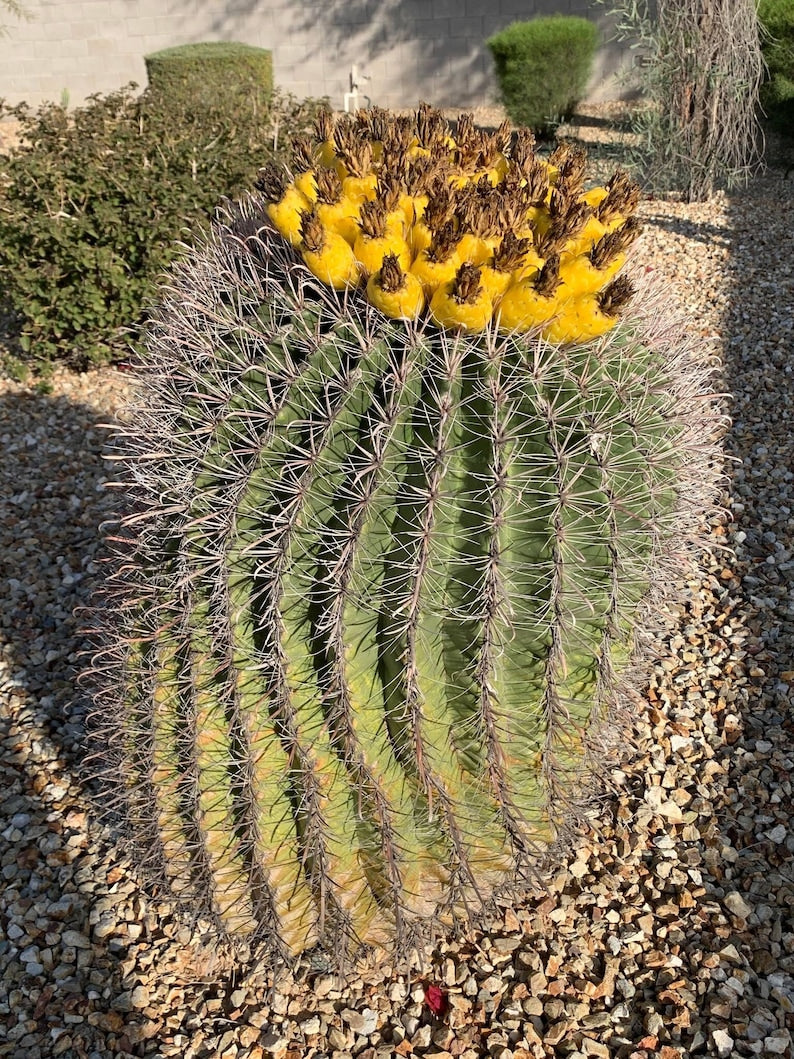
point(587, 273)
point(397, 204)
point(306, 183)
point(327, 255)
point(530, 303)
point(439, 209)
point(507, 264)
point(611, 206)
point(589, 315)
point(337, 213)
point(620, 202)
point(474, 249)
point(377, 238)
point(286, 203)
point(360, 188)
point(324, 132)
point(594, 196)
point(406, 190)
point(462, 302)
point(396, 293)
point(304, 162)
point(354, 163)
point(439, 262)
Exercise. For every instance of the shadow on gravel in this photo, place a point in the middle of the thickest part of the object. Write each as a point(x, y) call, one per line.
point(67, 897)
point(746, 673)
point(758, 358)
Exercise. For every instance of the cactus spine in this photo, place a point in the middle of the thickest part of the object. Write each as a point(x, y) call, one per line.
point(384, 577)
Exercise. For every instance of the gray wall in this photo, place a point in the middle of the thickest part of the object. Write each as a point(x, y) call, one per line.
point(411, 49)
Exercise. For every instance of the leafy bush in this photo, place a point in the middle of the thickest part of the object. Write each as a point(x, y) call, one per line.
point(93, 201)
point(543, 67)
point(777, 93)
point(210, 70)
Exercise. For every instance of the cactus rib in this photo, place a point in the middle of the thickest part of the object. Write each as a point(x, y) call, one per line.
point(410, 634)
point(357, 692)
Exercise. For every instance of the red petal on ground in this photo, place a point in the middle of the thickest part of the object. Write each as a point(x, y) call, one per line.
point(436, 999)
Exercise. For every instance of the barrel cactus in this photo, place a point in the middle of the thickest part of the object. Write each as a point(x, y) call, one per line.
point(410, 458)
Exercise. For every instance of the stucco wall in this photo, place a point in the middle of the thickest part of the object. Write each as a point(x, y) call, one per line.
point(411, 49)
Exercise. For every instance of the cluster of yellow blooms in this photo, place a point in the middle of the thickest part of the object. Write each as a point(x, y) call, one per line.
point(472, 226)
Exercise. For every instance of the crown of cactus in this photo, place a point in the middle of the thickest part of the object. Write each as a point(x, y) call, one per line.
point(403, 481)
point(491, 232)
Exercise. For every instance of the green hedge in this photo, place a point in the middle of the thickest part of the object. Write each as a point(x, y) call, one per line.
point(93, 202)
point(777, 93)
point(205, 72)
point(543, 67)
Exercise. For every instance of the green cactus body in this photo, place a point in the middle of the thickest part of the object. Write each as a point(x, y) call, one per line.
point(386, 578)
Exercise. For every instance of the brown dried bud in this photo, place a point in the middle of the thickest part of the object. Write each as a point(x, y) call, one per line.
point(420, 174)
point(391, 277)
point(464, 129)
point(510, 210)
point(551, 241)
point(574, 220)
point(388, 190)
point(572, 169)
point(379, 120)
point(615, 296)
point(361, 123)
point(312, 231)
point(560, 202)
point(372, 219)
point(613, 243)
point(523, 152)
point(440, 207)
point(473, 213)
point(329, 186)
point(354, 150)
point(303, 154)
point(431, 129)
point(503, 137)
point(324, 126)
point(537, 178)
point(622, 197)
point(489, 151)
point(398, 136)
point(510, 253)
point(548, 279)
point(467, 284)
point(272, 181)
point(560, 153)
point(468, 142)
point(443, 242)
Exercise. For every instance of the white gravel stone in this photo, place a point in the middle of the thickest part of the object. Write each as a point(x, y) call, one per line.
point(723, 1042)
point(737, 905)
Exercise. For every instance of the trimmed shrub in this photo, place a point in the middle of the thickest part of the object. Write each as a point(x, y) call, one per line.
point(203, 73)
point(93, 201)
point(777, 93)
point(543, 67)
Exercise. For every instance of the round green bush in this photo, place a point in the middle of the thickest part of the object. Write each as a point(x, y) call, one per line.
point(543, 67)
point(210, 70)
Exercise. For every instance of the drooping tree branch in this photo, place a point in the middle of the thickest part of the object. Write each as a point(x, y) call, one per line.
point(700, 77)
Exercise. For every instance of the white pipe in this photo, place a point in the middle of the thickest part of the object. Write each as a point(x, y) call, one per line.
point(356, 77)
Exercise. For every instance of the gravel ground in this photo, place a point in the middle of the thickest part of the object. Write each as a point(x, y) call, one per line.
point(670, 931)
